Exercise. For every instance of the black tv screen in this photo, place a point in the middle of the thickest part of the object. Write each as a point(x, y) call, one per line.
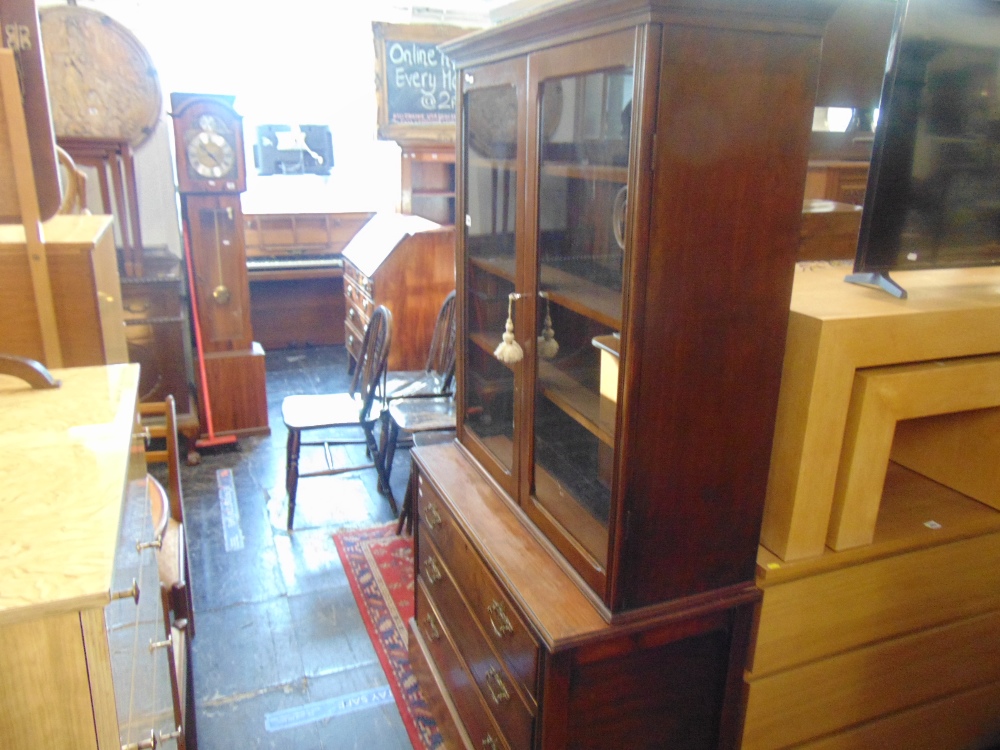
point(293, 149)
point(933, 196)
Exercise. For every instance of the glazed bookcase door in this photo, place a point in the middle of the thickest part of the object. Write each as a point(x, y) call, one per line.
point(493, 118)
point(580, 110)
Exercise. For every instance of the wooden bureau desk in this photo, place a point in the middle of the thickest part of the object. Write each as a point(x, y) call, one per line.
point(76, 666)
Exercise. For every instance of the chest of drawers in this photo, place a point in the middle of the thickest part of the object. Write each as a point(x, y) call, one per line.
point(509, 653)
point(86, 660)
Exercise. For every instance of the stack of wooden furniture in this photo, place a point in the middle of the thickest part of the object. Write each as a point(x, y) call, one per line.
point(880, 622)
point(406, 263)
point(585, 552)
point(94, 648)
point(295, 270)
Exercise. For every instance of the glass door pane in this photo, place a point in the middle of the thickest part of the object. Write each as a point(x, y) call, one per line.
point(584, 128)
point(490, 224)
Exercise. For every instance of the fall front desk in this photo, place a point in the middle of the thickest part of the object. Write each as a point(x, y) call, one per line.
point(880, 557)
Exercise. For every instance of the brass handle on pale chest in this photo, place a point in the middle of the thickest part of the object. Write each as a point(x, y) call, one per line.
point(155, 544)
point(129, 593)
point(153, 645)
point(149, 744)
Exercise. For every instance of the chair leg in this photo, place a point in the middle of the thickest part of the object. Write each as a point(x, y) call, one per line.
point(379, 461)
point(406, 514)
point(292, 471)
point(390, 448)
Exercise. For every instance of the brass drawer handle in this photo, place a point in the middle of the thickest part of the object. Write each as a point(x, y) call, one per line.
point(497, 614)
point(350, 314)
point(130, 593)
point(153, 645)
point(350, 340)
point(489, 743)
point(431, 627)
point(350, 291)
point(433, 517)
point(498, 691)
point(149, 744)
point(171, 735)
point(155, 544)
point(432, 570)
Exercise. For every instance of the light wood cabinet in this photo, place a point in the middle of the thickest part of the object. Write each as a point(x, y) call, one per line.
point(86, 661)
point(585, 552)
point(86, 291)
point(880, 619)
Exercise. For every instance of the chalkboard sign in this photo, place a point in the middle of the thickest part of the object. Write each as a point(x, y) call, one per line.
point(416, 81)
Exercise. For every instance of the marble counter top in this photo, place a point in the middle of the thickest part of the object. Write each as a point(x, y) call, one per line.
point(64, 463)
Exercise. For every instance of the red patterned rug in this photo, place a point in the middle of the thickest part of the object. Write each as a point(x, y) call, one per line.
point(379, 566)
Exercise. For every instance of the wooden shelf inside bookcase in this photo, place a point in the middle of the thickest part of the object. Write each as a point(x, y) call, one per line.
point(565, 289)
point(562, 510)
point(580, 403)
point(600, 172)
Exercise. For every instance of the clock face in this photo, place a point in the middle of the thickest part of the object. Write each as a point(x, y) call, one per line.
point(210, 154)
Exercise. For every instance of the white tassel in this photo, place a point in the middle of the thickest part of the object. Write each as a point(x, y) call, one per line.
point(548, 347)
point(509, 351)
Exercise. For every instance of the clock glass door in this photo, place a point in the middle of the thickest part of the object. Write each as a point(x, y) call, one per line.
point(493, 182)
point(579, 252)
point(220, 271)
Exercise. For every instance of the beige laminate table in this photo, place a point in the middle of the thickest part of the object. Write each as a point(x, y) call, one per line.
point(73, 504)
point(834, 329)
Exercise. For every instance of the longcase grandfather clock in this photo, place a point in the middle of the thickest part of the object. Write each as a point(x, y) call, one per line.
point(211, 174)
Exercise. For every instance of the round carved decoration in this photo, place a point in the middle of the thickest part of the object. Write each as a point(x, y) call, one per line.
point(102, 83)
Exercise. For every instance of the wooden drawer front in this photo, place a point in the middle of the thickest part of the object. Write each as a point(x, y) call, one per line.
point(820, 615)
point(353, 338)
point(494, 682)
point(462, 689)
point(141, 671)
point(354, 292)
point(958, 722)
point(497, 616)
point(360, 283)
point(823, 697)
point(357, 316)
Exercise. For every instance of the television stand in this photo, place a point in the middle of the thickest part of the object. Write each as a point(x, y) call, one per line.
point(878, 279)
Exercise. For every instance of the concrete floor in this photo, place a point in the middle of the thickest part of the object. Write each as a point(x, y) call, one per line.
point(279, 640)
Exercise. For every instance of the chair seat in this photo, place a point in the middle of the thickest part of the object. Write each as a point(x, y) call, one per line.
point(307, 412)
point(423, 415)
point(415, 384)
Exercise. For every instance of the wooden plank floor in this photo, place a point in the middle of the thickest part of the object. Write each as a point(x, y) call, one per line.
point(279, 636)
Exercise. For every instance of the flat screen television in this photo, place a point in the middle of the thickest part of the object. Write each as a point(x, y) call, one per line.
point(293, 149)
point(933, 195)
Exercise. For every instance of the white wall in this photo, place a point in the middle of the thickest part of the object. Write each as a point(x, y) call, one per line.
point(305, 61)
